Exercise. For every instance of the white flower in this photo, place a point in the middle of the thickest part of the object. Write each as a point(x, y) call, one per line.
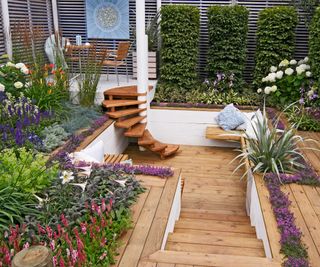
point(306, 59)
point(271, 77)
point(265, 79)
point(279, 74)
point(25, 70)
point(20, 66)
point(310, 93)
point(41, 200)
point(10, 64)
point(66, 177)
point(300, 69)
point(289, 71)
point(267, 90)
point(293, 62)
point(300, 62)
point(83, 186)
point(308, 73)
point(284, 63)
point(307, 67)
point(273, 88)
point(18, 85)
point(121, 182)
point(2, 87)
point(273, 69)
point(259, 91)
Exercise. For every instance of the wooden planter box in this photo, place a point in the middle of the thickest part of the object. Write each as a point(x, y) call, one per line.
point(152, 65)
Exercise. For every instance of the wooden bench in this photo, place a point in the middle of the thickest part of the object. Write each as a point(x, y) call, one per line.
point(216, 133)
point(116, 158)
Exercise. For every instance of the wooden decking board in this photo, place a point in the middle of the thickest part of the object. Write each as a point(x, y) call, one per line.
point(269, 219)
point(212, 232)
point(155, 237)
point(136, 131)
point(301, 223)
point(124, 112)
point(127, 123)
point(211, 259)
point(121, 103)
point(134, 249)
point(210, 249)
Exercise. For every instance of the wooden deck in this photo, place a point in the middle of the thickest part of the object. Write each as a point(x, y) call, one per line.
point(305, 204)
point(213, 228)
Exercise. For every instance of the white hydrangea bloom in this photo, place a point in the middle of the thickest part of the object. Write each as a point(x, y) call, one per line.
point(273, 69)
point(271, 77)
point(308, 73)
point(284, 63)
point(293, 62)
point(300, 69)
point(259, 91)
point(267, 90)
point(2, 87)
point(279, 74)
point(289, 71)
point(18, 85)
point(310, 93)
point(306, 59)
point(273, 88)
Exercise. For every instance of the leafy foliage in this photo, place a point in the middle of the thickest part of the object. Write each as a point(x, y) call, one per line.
point(53, 136)
point(314, 45)
point(275, 38)
point(272, 150)
point(25, 171)
point(303, 119)
point(227, 27)
point(308, 8)
point(179, 52)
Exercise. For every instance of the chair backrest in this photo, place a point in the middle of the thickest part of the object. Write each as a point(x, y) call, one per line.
point(123, 50)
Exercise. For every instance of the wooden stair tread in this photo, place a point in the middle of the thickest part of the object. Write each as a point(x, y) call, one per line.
point(205, 259)
point(121, 103)
point(146, 139)
point(213, 249)
point(170, 150)
point(136, 131)
point(125, 112)
point(129, 122)
point(125, 91)
point(115, 158)
point(157, 146)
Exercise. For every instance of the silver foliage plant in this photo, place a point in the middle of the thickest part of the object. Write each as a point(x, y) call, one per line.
point(273, 150)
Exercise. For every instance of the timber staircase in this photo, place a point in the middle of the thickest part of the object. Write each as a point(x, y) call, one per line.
point(123, 106)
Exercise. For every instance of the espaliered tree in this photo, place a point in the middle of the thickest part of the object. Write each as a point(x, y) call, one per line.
point(179, 49)
point(314, 45)
point(227, 29)
point(275, 38)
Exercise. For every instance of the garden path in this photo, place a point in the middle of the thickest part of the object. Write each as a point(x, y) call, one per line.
point(213, 228)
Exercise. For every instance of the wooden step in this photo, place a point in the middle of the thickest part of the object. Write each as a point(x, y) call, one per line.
point(216, 239)
point(121, 103)
point(115, 158)
point(146, 139)
point(125, 112)
point(211, 215)
point(136, 131)
point(157, 146)
point(128, 123)
point(213, 225)
point(211, 249)
point(125, 91)
point(170, 150)
point(216, 260)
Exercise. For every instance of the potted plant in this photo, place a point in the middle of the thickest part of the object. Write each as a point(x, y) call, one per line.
point(152, 30)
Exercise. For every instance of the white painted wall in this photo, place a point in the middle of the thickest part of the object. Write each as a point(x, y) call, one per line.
point(114, 140)
point(184, 127)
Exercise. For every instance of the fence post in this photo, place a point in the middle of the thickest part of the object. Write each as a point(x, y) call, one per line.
point(35, 256)
point(6, 27)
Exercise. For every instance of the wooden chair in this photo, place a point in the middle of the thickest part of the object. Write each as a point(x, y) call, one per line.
point(118, 58)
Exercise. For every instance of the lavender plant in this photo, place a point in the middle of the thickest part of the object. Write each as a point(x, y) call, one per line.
point(20, 121)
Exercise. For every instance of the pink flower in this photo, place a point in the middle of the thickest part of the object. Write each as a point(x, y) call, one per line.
point(26, 245)
point(54, 261)
point(103, 256)
point(64, 220)
point(52, 244)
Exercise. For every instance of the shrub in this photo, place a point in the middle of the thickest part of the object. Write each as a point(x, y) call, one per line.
point(275, 38)
point(314, 44)
point(227, 27)
point(179, 51)
point(289, 82)
point(54, 136)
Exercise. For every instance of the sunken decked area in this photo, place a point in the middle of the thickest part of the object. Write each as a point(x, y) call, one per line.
point(213, 228)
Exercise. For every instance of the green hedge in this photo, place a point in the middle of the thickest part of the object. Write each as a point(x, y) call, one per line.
point(179, 50)
point(227, 29)
point(314, 45)
point(275, 38)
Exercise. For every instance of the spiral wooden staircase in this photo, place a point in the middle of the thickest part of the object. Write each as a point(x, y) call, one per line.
point(123, 106)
